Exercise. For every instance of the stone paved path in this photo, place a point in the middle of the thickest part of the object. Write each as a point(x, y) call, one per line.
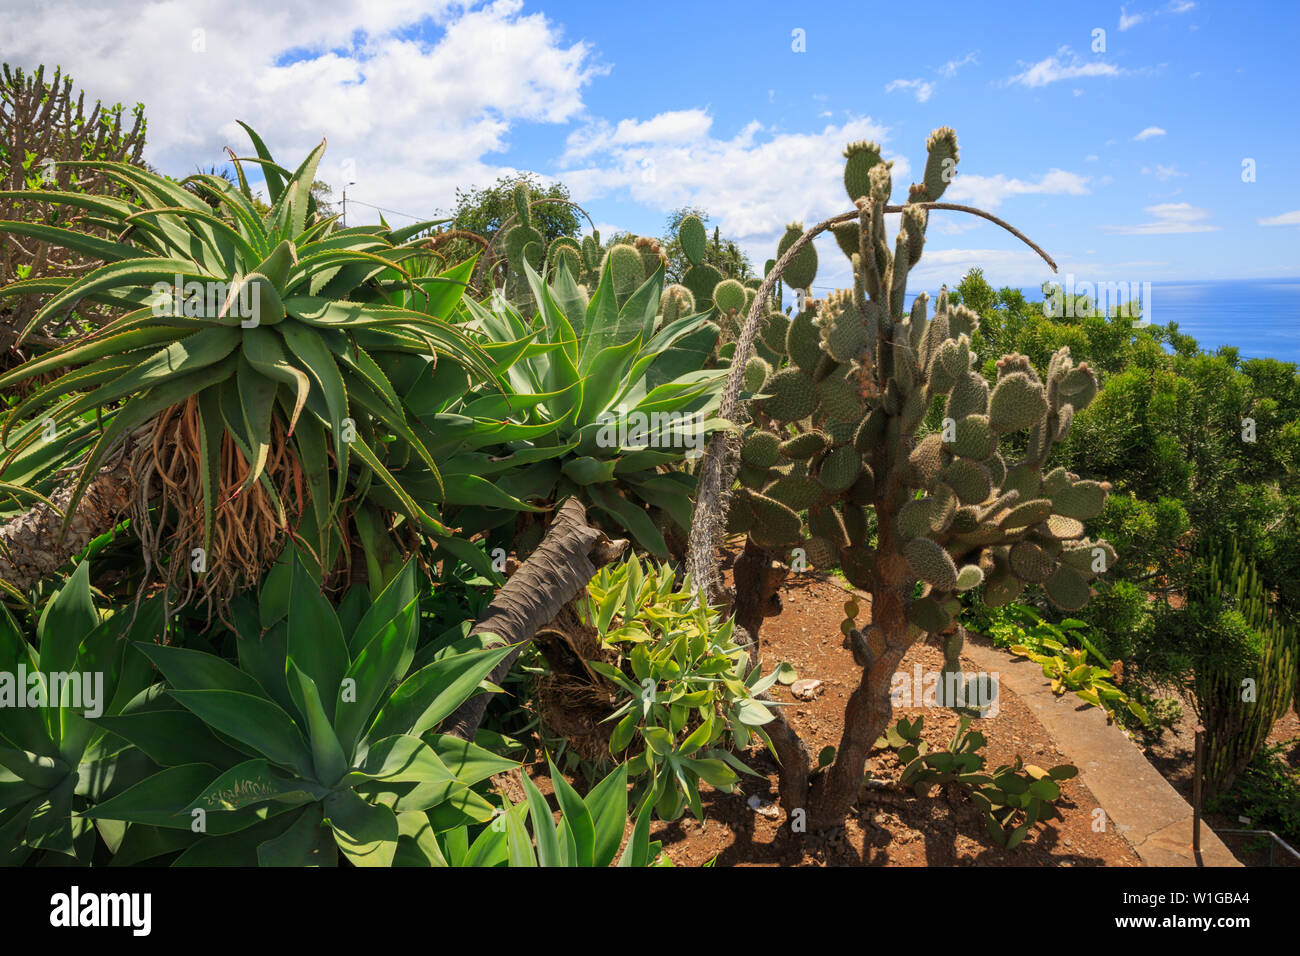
point(1148, 812)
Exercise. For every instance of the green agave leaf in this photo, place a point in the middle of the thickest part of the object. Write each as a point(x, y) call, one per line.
point(365, 832)
point(306, 843)
point(114, 275)
point(238, 848)
point(466, 761)
point(631, 517)
point(373, 669)
point(576, 816)
point(92, 246)
point(253, 721)
point(193, 353)
point(548, 846)
point(170, 736)
point(326, 751)
point(607, 803)
point(315, 639)
point(519, 845)
point(417, 844)
point(433, 692)
point(23, 727)
point(104, 204)
point(85, 351)
point(604, 377)
point(275, 175)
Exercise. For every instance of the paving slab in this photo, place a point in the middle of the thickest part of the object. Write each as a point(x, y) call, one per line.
point(1137, 800)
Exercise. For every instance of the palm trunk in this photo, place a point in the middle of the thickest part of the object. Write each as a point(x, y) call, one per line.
point(36, 545)
point(554, 574)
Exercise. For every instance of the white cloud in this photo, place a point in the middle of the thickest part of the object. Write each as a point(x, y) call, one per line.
point(950, 68)
point(921, 89)
point(1162, 172)
point(1149, 133)
point(1064, 64)
point(1285, 219)
point(1127, 20)
point(678, 126)
point(408, 118)
point(988, 192)
point(1168, 219)
point(752, 184)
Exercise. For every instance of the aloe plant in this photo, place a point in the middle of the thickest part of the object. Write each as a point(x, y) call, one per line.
point(588, 833)
point(605, 402)
point(332, 758)
point(270, 331)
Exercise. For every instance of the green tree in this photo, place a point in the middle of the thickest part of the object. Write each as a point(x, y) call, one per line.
point(1169, 430)
point(483, 211)
point(44, 125)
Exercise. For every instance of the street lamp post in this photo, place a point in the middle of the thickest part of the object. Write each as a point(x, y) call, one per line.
point(345, 203)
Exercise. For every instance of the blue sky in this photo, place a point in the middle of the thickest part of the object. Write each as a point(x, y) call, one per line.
point(1121, 154)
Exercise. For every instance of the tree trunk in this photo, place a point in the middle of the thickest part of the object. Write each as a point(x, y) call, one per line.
point(35, 545)
point(828, 797)
point(554, 574)
point(758, 577)
point(865, 718)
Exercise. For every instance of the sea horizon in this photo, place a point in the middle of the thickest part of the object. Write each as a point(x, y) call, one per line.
point(1258, 317)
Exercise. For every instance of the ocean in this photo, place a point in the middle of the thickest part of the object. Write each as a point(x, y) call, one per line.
point(1260, 317)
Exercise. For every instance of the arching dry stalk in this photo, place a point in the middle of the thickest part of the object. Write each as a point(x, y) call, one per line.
point(249, 526)
point(721, 459)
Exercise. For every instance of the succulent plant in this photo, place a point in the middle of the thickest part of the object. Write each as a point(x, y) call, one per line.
point(598, 395)
point(913, 515)
point(1013, 797)
point(860, 375)
point(260, 347)
point(1245, 684)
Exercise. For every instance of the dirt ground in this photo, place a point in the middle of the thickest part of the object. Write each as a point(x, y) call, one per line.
point(890, 825)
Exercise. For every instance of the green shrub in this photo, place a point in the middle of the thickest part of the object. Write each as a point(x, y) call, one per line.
point(1267, 793)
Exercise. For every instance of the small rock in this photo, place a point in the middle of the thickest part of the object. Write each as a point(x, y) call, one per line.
point(807, 689)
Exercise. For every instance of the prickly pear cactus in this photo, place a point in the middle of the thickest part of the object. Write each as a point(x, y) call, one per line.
point(835, 463)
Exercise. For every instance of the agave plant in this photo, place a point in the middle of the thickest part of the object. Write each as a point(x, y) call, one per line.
point(589, 831)
point(332, 757)
point(604, 404)
point(248, 371)
point(55, 760)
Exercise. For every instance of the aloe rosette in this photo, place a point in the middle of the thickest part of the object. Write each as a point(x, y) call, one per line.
point(295, 348)
point(322, 741)
point(610, 401)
